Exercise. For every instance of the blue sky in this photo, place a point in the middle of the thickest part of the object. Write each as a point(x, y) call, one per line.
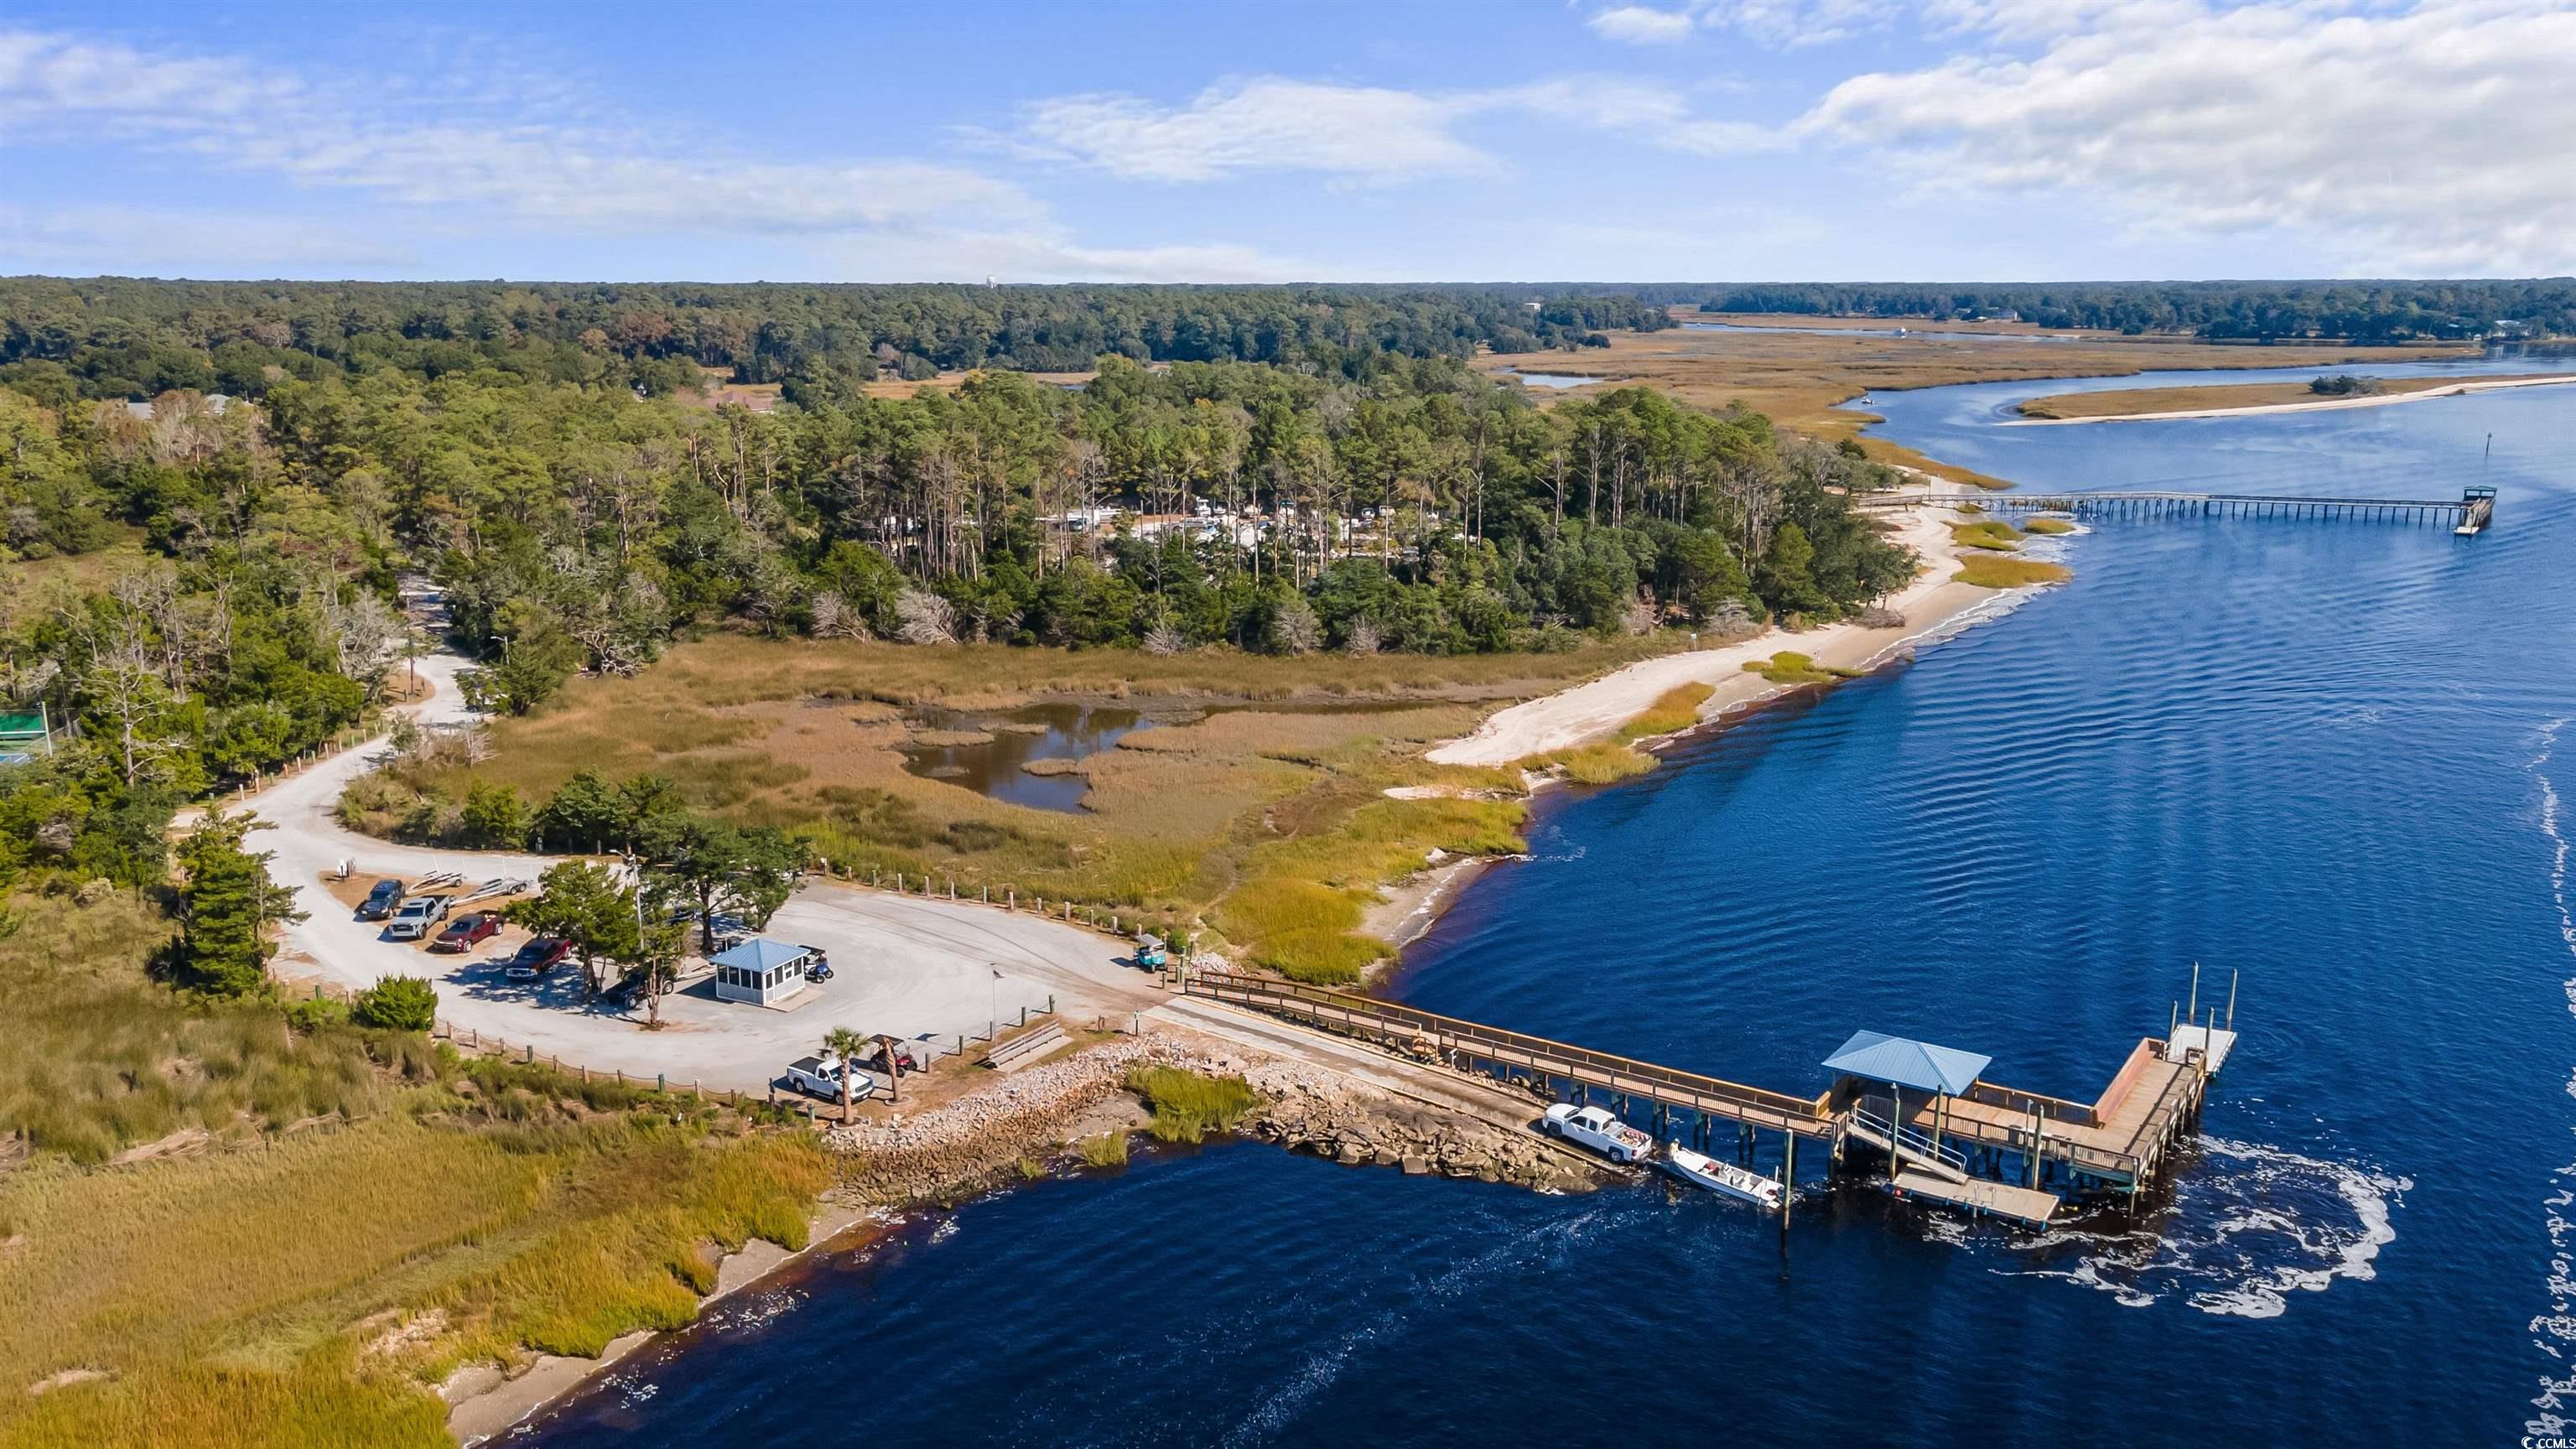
point(1684, 139)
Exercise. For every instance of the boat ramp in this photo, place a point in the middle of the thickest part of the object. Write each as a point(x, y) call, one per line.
point(1921, 1120)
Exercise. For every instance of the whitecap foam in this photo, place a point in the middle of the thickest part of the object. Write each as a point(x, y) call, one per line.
point(2250, 1226)
point(2553, 1330)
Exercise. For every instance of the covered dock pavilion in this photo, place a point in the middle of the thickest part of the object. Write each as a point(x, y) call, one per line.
point(1920, 1160)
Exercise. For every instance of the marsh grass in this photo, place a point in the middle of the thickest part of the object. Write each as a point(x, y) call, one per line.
point(2047, 525)
point(346, 1175)
point(325, 1403)
point(1791, 667)
point(1300, 905)
point(1173, 816)
point(1989, 572)
point(1109, 1149)
point(1599, 764)
point(1987, 533)
point(95, 1057)
point(248, 1264)
point(1188, 1105)
point(1800, 380)
point(1673, 711)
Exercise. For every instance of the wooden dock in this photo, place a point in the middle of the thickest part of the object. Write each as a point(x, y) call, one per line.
point(2471, 514)
point(1990, 1149)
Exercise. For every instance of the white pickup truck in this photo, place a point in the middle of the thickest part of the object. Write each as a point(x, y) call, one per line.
point(1598, 1129)
point(821, 1077)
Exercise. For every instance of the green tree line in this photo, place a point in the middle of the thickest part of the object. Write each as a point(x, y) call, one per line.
point(2360, 311)
point(220, 591)
point(110, 337)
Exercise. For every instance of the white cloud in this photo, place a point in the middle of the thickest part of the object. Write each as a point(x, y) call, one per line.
point(472, 155)
point(231, 114)
point(1790, 24)
point(1264, 124)
point(1368, 134)
point(1641, 25)
point(191, 242)
point(2432, 139)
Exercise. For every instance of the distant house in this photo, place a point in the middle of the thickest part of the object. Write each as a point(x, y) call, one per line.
point(763, 972)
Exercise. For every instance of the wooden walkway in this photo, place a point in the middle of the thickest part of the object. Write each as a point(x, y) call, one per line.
point(2473, 511)
point(1474, 1046)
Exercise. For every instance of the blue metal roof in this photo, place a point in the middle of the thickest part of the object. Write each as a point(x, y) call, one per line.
point(1919, 1064)
point(760, 953)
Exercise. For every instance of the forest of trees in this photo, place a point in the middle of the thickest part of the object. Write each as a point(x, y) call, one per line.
point(205, 592)
point(118, 337)
point(2359, 311)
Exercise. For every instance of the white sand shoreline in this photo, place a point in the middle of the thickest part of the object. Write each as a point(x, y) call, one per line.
point(1596, 710)
point(2319, 405)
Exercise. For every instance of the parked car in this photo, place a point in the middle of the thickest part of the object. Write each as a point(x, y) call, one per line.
point(821, 1077)
point(415, 916)
point(468, 931)
point(381, 901)
point(729, 931)
point(537, 957)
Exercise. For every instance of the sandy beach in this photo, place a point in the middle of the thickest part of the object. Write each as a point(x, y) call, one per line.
point(2325, 404)
point(1596, 710)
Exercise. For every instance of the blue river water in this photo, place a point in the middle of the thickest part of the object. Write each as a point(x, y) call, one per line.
point(2331, 757)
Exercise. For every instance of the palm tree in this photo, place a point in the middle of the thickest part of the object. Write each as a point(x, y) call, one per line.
point(894, 1066)
point(844, 1044)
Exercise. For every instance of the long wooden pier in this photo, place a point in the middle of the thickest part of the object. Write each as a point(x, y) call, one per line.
point(2471, 514)
point(1988, 1149)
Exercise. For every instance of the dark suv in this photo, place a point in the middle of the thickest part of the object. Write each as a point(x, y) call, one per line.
point(381, 901)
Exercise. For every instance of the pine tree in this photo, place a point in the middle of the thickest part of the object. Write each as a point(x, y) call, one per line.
point(226, 905)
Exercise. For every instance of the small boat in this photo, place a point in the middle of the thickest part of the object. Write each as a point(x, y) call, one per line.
point(1742, 1184)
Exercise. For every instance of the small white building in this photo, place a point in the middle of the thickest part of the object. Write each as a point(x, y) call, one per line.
point(763, 972)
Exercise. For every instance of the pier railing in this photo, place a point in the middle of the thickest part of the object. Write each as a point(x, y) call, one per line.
point(1451, 1039)
point(2473, 509)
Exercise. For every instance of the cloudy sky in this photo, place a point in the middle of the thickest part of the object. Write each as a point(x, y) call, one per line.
point(1679, 139)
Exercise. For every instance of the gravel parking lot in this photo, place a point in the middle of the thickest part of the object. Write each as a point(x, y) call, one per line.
point(902, 965)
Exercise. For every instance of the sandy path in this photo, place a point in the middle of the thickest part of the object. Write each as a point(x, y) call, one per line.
point(2375, 400)
point(1593, 711)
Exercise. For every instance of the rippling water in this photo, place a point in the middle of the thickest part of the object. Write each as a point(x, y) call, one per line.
point(2332, 756)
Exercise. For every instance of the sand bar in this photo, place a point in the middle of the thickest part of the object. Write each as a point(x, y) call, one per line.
point(2319, 405)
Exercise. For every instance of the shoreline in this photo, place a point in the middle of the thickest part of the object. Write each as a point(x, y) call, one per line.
point(1936, 606)
point(2319, 405)
point(990, 1141)
point(1595, 710)
point(485, 1402)
point(1407, 909)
